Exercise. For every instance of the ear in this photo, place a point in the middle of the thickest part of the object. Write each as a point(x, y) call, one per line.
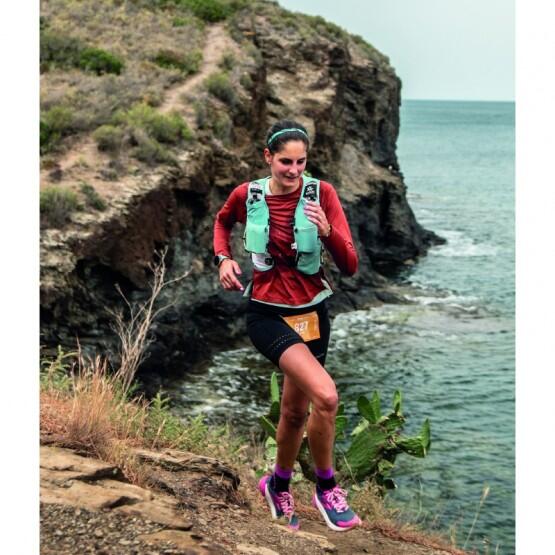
point(268, 155)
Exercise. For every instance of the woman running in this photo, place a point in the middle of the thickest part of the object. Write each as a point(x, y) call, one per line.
point(289, 217)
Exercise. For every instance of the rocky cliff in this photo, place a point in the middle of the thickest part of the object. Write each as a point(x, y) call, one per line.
point(346, 94)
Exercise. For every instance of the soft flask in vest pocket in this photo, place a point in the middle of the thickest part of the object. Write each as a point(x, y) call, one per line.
point(307, 242)
point(256, 237)
point(257, 229)
point(308, 249)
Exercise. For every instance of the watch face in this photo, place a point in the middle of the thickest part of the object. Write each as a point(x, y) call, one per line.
point(218, 259)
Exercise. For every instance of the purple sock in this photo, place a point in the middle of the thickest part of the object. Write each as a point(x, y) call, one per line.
point(282, 472)
point(324, 474)
point(325, 478)
point(281, 478)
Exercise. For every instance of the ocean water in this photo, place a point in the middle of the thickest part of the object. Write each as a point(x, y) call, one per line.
point(450, 350)
point(458, 162)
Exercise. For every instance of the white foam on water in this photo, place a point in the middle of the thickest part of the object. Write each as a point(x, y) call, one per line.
point(461, 245)
point(463, 302)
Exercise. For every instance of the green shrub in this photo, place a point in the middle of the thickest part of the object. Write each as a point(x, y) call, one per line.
point(209, 10)
point(149, 150)
point(220, 86)
point(170, 128)
point(47, 138)
point(201, 115)
point(56, 206)
point(227, 62)
point(167, 429)
point(182, 21)
point(222, 126)
point(55, 124)
point(153, 97)
point(186, 63)
point(325, 27)
point(367, 48)
point(246, 81)
point(63, 51)
point(93, 199)
point(99, 61)
point(255, 54)
point(60, 119)
point(108, 138)
point(55, 374)
point(58, 50)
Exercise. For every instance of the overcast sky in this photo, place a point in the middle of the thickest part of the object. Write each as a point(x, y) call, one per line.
point(441, 49)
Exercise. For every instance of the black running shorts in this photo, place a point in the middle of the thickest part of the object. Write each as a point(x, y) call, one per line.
point(272, 335)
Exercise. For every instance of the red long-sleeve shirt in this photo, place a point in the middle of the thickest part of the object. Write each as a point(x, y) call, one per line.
point(285, 285)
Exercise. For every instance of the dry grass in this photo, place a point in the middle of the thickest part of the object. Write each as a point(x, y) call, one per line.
point(93, 416)
point(411, 534)
point(133, 328)
point(87, 407)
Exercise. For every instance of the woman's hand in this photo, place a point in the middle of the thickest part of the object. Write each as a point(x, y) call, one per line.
point(228, 270)
point(318, 217)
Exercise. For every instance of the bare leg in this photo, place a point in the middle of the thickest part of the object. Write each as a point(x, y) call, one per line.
point(290, 430)
point(311, 378)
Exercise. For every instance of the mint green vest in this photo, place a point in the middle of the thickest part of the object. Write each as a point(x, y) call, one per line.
point(257, 230)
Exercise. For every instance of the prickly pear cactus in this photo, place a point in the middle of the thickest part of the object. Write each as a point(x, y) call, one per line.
point(377, 440)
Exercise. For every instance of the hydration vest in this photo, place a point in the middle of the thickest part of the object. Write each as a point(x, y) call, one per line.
point(256, 237)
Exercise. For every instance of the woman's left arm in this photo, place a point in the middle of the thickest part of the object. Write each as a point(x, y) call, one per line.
point(337, 238)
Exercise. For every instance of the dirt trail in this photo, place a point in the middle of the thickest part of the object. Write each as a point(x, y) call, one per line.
point(218, 43)
point(82, 161)
point(197, 506)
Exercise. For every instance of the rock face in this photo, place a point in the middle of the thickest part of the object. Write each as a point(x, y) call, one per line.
point(144, 516)
point(348, 97)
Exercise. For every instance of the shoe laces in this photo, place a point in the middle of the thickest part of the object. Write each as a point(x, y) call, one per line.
point(336, 497)
point(286, 503)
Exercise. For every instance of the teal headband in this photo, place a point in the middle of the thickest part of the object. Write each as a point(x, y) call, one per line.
point(286, 131)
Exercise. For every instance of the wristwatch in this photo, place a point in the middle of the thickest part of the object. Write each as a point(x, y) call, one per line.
point(219, 258)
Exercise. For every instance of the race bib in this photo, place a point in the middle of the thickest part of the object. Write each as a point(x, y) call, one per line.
point(306, 325)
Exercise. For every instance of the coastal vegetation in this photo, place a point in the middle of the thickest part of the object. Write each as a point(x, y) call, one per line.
point(56, 205)
point(92, 198)
point(220, 86)
point(95, 63)
point(370, 450)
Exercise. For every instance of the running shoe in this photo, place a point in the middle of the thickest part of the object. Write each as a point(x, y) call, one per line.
point(281, 503)
point(332, 504)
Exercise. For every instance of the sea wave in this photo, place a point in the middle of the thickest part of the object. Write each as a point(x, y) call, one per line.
point(459, 244)
point(464, 302)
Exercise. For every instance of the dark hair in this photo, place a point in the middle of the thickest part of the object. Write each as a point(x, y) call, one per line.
point(295, 132)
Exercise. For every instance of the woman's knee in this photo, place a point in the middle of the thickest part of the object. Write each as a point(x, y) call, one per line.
point(294, 418)
point(327, 401)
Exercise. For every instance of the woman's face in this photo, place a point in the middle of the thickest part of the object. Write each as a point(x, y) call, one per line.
point(288, 164)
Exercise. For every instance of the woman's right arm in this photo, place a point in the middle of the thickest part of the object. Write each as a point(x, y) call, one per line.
point(231, 212)
point(234, 210)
